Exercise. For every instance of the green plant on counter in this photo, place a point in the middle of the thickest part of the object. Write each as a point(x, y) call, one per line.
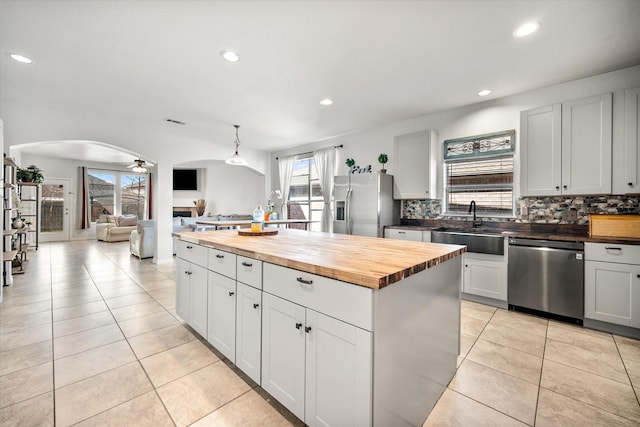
point(383, 159)
point(31, 173)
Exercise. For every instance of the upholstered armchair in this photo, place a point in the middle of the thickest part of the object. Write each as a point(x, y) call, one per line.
point(142, 239)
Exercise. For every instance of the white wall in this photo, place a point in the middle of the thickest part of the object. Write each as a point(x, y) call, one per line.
point(484, 117)
point(227, 189)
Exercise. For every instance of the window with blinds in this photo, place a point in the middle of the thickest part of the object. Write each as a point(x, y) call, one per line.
point(488, 181)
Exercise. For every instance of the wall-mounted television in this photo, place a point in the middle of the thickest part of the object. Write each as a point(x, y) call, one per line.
point(185, 179)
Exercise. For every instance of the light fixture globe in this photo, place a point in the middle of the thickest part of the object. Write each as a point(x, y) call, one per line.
point(236, 159)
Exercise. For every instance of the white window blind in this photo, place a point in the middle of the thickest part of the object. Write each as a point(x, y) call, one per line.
point(488, 181)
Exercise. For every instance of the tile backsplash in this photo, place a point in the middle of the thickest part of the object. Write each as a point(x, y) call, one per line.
point(551, 210)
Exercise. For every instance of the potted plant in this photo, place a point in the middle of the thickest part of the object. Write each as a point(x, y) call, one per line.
point(350, 163)
point(383, 159)
point(31, 173)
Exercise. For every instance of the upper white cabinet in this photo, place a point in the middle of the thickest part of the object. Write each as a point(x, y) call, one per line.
point(565, 149)
point(416, 157)
point(586, 145)
point(541, 151)
point(626, 177)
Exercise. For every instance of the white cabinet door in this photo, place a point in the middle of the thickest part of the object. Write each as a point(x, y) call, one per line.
point(612, 293)
point(248, 330)
point(338, 373)
point(283, 352)
point(198, 299)
point(485, 278)
point(635, 305)
point(182, 288)
point(632, 140)
point(222, 314)
point(541, 151)
point(395, 233)
point(415, 166)
point(586, 145)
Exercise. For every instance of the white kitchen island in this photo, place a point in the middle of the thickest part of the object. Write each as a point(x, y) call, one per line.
point(342, 330)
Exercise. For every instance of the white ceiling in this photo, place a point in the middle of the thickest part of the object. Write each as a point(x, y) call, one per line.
point(380, 61)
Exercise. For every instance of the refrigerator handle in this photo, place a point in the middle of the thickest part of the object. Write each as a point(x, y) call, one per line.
point(348, 210)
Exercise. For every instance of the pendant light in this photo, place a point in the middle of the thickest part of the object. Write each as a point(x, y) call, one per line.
point(236, 160)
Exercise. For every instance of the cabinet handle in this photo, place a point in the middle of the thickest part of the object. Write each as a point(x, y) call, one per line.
point(557, 187)
point(298, 325)
point(256, 305)
point(630, 184)
point(189, 247)
point(247, 264)
point(219, 256)
point(402, 232)
point(306, 282)
point(466, 265)
point(564, 186)
point(231, 293)
point(307, 329)
point(612, 248)
point(638, 276)
point(186, 272)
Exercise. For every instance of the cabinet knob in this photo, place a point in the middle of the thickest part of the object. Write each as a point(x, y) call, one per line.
point(189, 247)
point(564, 186)
point(638, 276)
point(256, 305)
point(298, 325)
point(306, 282)
point(219, 256)
point(247, 264)
point(557, 187)
point(307, 329)
point(466, 265)
point(231, 293)
point(630, 184)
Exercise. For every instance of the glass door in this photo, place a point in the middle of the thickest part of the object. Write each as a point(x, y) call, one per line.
point(54, 210)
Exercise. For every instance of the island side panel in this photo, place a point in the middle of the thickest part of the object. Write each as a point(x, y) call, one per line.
point(416, 343)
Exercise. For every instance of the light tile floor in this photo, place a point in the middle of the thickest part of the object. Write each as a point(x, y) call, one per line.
point(89, 336)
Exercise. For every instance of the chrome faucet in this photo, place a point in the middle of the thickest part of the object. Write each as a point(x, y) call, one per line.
point(472, 207)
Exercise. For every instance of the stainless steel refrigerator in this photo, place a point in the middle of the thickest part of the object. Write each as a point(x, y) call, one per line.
point(364, 204)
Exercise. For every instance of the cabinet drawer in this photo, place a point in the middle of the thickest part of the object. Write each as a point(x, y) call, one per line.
point(249, 271)
point(612, 252)
point(222, 262)
point(344, 301)
point(191, 252)
point(395, 233)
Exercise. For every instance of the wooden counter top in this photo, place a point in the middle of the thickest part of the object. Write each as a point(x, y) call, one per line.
point(365, 261)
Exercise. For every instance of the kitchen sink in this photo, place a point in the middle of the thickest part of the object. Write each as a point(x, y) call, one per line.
point(475, 240)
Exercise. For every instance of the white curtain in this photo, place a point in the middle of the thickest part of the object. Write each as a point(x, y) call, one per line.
point(285, 166)
point(326, 168)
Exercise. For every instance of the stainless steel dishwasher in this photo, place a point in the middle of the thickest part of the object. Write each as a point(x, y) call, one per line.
point(547, 276)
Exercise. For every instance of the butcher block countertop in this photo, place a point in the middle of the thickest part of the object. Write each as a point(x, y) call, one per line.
point(366, 261)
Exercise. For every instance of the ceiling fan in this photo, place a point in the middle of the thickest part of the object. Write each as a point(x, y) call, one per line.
point(139, 166)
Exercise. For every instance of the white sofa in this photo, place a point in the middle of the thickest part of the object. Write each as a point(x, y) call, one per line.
point(111, 228)
point(142, 239)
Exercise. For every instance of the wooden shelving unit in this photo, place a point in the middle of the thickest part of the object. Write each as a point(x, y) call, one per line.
point(8, 233)
point(32, 205)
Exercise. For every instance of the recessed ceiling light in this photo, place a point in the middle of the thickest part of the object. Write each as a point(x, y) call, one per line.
point(230, 56)
point(526, 29)
point(326, 102)
point(21, 58)
point(484, 92)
